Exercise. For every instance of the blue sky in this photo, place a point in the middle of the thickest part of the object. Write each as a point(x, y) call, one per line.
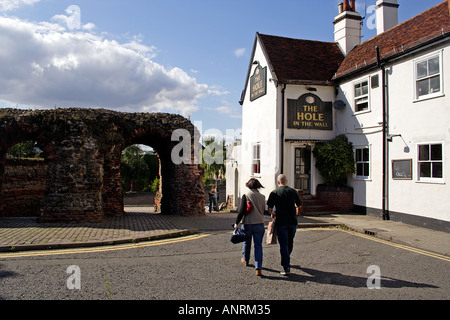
point(178, 56)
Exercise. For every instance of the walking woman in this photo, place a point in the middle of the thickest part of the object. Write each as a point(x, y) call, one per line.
point(253, 223)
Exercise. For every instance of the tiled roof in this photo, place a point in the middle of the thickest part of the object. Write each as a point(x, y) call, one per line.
point(302, 61)
point(429, 25)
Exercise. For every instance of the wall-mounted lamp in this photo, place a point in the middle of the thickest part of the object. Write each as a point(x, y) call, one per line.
point(391, 136)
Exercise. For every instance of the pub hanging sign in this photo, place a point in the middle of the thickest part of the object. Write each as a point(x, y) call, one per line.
point(310, 112)
point(258, 83)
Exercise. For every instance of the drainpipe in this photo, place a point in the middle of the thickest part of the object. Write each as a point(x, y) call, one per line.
point(385, 209)
point(282, 129)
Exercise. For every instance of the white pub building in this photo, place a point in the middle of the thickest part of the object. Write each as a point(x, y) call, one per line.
point(390, 96)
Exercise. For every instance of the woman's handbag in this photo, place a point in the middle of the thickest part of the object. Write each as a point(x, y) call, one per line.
point(249, 207)
point(238, 236)
point(271, 233)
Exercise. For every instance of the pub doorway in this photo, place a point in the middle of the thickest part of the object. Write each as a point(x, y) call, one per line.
point(303, 169)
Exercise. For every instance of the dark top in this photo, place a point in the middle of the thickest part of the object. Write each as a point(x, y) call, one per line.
point(284, 199)
point(212, 194)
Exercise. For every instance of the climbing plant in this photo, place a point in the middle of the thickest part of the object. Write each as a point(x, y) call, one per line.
point(335, 160)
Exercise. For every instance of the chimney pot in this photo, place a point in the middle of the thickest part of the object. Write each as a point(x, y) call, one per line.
point(347, 27)
point(346, 5)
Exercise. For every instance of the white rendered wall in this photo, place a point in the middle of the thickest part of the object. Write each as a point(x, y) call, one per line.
point(418, 122)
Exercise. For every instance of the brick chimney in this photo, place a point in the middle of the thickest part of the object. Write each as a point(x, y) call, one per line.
point(347, 26)
point(387, 15)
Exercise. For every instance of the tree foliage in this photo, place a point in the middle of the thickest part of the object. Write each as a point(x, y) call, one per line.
point(213, 159)
point(335, 160)
point(27, 150)
point(137, 168)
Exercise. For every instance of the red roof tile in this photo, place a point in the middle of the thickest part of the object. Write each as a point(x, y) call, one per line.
point(302, 61)
point(429, 25)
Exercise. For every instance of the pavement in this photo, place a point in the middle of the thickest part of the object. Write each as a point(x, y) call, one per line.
point(140, 224)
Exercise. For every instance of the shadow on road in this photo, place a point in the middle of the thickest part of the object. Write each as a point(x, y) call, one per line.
point(339, 279)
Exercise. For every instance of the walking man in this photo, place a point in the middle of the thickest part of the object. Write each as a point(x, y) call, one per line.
point(286, 202)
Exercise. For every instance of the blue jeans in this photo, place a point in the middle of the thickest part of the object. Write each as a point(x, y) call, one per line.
point(212, 204)
point(255, 231)
point(286, 236)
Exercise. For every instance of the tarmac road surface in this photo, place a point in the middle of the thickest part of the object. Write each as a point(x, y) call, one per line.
point(329, 264)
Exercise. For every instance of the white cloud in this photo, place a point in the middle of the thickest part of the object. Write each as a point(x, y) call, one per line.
point(43, 65)
point(228, 110)
point(216, 91)
point(10, 5)
point(224, 109)
point(239, 52)
point(88, 26)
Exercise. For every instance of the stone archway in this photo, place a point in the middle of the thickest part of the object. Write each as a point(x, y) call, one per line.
point(82, 148)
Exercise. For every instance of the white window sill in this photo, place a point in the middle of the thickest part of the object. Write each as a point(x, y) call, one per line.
point(429, 96)
point(357, 113)
point(431, 181)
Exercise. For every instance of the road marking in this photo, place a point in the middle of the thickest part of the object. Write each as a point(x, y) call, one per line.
point(28, 254)
point(401, 246)
point(389, 243)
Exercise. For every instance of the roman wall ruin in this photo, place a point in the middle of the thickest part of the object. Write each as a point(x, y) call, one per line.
point(82, 150)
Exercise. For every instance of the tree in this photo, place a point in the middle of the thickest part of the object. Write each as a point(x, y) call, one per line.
point(152, 161)
point(27, 149)
point(133, 168)
point(213, 159)
point(335, 160)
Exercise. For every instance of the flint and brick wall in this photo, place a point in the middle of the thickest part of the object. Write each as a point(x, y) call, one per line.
point(82, 150)
point(23, 187)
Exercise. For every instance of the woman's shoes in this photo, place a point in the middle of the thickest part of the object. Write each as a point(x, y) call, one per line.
point(258, 271)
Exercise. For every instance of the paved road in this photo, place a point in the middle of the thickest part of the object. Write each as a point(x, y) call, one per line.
point(327, 264)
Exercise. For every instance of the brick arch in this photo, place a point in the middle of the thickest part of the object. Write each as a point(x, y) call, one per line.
point(83, 149)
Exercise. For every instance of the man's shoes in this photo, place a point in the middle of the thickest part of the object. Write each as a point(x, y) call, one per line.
point(258, 272)
point(286, 272)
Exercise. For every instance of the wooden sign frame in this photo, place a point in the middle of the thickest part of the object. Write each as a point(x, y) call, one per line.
point(402, 169)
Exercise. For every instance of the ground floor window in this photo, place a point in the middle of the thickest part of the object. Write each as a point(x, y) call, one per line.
point(430, 162)
point(362, 161)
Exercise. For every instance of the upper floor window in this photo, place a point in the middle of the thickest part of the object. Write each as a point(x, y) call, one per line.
point(428, 76)
point(361, 96)
point(256, 159)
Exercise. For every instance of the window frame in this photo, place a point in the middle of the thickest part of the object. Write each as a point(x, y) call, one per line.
point(362, 96)
point(256, 159)
point(427, 58)
point(363, 162)
point(431, 161)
